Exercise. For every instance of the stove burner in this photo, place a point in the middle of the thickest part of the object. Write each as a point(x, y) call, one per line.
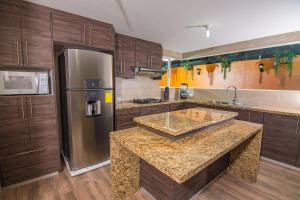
point(147, 100)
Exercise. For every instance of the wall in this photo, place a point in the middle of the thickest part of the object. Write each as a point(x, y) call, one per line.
point(139, 87)
point(277, 98)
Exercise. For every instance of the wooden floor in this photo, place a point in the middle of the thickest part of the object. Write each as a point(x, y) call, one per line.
point(274, 182)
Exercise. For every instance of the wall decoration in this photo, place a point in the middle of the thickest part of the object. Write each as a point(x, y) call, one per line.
point(210, 68)
point(246, 70)
point(225, 64)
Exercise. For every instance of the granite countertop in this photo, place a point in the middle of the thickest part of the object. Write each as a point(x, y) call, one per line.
point(180, 122)
point(269, 109)
point(182, 159)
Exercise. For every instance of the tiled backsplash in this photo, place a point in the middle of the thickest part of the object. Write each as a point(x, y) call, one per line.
point(280, 98)
point(139, 87)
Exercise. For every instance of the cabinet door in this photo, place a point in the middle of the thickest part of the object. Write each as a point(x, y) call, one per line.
point(142, 54)
point(150, 110)
point(100, 35)
point(13, 121)
point(10, 33)
point(40, 106)
point(280, 138)
point(156, 56)
point(124, 118)
point(128, 57)
point(118, 56)
point(244, 115)
point(177, 106)
point(256, 117)
point(68, 28)
point(298, 158)
point(36, 35)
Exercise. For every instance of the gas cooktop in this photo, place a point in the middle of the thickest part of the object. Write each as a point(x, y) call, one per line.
point(147, 100)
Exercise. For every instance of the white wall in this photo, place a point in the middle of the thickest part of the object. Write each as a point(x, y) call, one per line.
point(139, 87)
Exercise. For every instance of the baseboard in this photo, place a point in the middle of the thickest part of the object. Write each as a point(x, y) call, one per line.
point(281, 164)
point(31, 180)
point(86, 169)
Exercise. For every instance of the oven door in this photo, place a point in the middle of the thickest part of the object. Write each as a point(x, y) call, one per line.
point(18, 82)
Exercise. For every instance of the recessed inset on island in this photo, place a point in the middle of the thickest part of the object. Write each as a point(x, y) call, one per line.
point(182, 123)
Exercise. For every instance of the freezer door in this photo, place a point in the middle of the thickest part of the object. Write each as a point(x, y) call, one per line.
point(89, 135)
point(84, 65)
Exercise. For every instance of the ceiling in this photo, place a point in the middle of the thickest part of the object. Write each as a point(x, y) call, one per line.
point(164, 21)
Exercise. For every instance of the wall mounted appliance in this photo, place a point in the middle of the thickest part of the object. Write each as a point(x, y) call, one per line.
point(24, 82)
point(87, 108)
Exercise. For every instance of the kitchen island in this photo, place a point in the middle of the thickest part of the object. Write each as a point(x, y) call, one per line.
point(165, 167)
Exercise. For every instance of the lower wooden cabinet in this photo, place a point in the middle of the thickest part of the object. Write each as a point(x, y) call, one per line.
point(280, 138)
point(150, 110)
point(31, 164)
point(178, 106)
point(124, 118)
point(29, 141)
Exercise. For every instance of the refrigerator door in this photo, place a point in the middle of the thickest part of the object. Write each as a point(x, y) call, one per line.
point(84, 65)
point(89, 135)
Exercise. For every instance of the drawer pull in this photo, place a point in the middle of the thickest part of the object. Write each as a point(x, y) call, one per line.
point(32, 151)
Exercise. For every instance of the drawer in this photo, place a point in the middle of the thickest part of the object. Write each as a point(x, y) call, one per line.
point(193, 105)
point(177, 106)
point(30, 165)
point(128, 111)
point(149, 110)
point(121, 126)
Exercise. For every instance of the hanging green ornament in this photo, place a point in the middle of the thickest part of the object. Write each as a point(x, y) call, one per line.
point(225, 65)
point(290, 58)
point(277, 62)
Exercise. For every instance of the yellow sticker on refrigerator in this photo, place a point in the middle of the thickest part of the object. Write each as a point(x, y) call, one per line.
point(108, 97)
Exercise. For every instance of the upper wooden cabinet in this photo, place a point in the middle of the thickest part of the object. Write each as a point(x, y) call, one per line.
point(36, 35)
point(148, 54)
point(10, 33)
point(25, 35)
point(125, 56)
point(73, 29)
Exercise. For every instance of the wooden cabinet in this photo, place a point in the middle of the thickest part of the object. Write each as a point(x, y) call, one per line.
point(36, 35)
point(280, 138)
point(125, 56)
point(243, 115)
point(256, 117)
point(193, 105)
point(150, 110)
point(29, 142)
point(99, 35)
point(298, 158)
point(68, 28)
point(73, 29)
point(124, 118)
point(25, 35)
point(148, 54)
point(178, 106)
point(10, 33)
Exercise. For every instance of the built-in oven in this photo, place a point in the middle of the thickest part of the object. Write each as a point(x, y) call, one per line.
point(24, 82)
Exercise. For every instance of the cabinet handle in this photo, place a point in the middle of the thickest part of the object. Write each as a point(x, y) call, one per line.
point(18, 53)
point(84, 34)
point(22, 104)
point(121, 66)
point(27, 57)
point(31, 111)
point(151, 61)
point(90, 36)
point(32, 151)
point(147, 61)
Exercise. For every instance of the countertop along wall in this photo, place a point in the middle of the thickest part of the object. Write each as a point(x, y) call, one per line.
point(138, 87)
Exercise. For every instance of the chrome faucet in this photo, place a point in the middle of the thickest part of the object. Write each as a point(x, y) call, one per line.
point(235, 101)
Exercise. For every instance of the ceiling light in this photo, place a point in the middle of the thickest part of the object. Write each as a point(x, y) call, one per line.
point(206, 26)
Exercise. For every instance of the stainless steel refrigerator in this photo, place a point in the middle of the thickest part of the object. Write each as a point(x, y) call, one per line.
point(87, 108)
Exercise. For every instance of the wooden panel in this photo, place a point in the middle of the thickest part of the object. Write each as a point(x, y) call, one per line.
point(280, 138)
point(14, 132)
point(118, 55)
point(193, 105)
point(100, 35)
point(10, 33)
point(128, 57)
point(68, 28)
point(164, 188)
point(256, 117)
point(124, 118)
point(149, 110)
point(12, 108)
point(178, 106)
point(142, 54)
point(244, 115)
point(298, 157)
point(30, 165)
point(40, 106)
point(155, 56)
point(36, 35)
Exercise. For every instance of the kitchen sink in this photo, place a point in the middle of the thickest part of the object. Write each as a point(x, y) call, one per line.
point(229, 103)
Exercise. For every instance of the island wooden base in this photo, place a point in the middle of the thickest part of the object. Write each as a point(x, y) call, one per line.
point(129, 172)
point(163, 187)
